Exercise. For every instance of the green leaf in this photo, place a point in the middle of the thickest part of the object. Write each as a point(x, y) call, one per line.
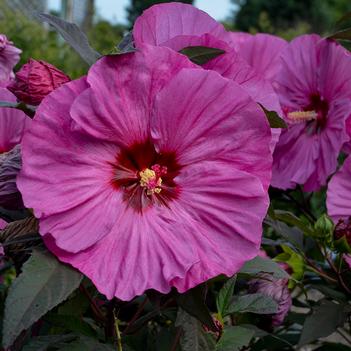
point(71, 323)
point(290, 218)
point(294, 260)
point(234, 338)
point(194, 337)
point(225, 295)
point(193, 303)
point(27, 109)
point(43, 284)
point(342, 245)
point(341, 35)
point(87, 344)
point(273, 119)
point(260, 264)
point(253, 303)
point(73, 36)
point(201, 54)
point(323, 321)
point(44, 343)
point(328, 346)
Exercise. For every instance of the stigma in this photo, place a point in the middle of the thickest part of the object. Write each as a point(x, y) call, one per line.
point(151, 180)
point(302, 116)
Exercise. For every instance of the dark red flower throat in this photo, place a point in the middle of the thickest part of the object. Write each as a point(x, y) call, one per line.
point(145, 176)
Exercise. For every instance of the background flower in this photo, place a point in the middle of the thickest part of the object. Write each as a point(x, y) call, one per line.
point(12, 126)
point(9, 56)
point(314, 88)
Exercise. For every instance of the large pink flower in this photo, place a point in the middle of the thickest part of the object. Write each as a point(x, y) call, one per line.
point(314, 86)
point(339, 193)
point(12, 126)
point(261, 51)
point(9, 56)
point(178, 26)
point(149, 175)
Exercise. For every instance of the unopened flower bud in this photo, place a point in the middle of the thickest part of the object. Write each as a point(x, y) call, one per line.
point(10, 165)
point(324, 226)
point(278, 290)
point(342, 236)
point(35, 80)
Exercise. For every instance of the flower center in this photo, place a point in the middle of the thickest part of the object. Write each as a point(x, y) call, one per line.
point(302, 116)
point(151, 180)
point(145, 176)
point(314, 115)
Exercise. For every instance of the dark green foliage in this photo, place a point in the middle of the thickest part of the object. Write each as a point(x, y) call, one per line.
point(277, 16)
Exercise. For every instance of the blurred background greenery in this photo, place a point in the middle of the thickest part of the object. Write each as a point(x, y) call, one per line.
point(286, 18)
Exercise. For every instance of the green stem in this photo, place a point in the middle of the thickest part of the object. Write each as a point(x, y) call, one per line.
point(118, 333)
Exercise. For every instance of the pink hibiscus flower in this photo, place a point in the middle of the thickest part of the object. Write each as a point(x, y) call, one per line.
point(12, 125)
point(339, 203)
point(9, 57)
point(178, 26)
point(339, 193)
point(261, 51)
point(150, 175)
point(3, 224)
point(314, 87)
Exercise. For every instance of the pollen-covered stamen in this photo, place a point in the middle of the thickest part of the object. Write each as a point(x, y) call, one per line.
point(302, 116)
point(151, 178)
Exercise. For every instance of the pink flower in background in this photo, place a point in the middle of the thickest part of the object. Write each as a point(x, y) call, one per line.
point(9, 57)
point(178, 26)
point(276, 289)
point(12, 125)
point(261, 51)
point(339, 193)
point(35, 80)
point(150, 175)
point(339, 203)
point(3, 224)
point(314, 87)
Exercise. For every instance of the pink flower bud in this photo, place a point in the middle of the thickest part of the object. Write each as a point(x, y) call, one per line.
point(343, 229)
point(10, 165)
point(35, 80)
point(278, 290)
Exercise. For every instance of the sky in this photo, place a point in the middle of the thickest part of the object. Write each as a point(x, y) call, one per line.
point(114, 10)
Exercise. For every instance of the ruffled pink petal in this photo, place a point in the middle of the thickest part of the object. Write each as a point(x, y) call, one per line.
point(261, 51)
point(339, 193)
point(334, 75)
point(118, 104)
point(223, 128)
point(298, 77)
point(199, 236)
point(12, 123)
point(229, 206)
point(208, 40)
point(68, 173)
point(9, 57)
point(231, 65)
point(347, 259)
point(3, 224)
point(303, 158)
point(162, 22)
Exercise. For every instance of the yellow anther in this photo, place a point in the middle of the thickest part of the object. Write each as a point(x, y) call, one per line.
point(150, 181)
point(302, 116)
